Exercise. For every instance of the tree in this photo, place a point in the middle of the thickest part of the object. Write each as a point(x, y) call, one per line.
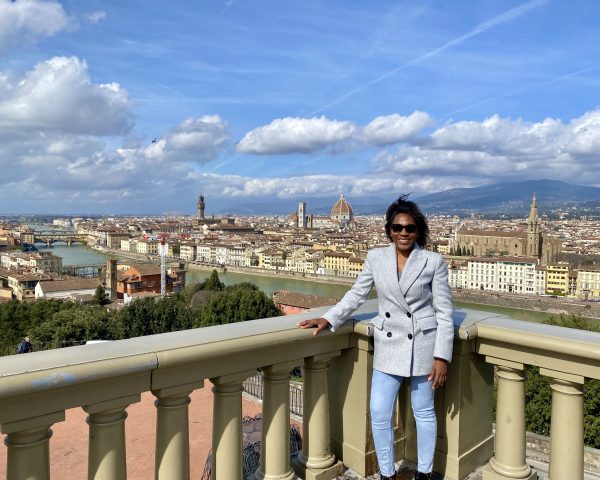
point(213, 282)
point(74, 325)
point(100, 296)
point(236, 303)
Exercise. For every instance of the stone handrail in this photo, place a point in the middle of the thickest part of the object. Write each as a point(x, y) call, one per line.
point(36, 389)
point(103, 379)
point(568, 357)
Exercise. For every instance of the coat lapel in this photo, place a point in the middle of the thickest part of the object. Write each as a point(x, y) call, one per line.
point(390, 274)
point(413, 268)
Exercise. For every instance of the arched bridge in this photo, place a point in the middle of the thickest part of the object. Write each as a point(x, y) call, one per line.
point(68, 238)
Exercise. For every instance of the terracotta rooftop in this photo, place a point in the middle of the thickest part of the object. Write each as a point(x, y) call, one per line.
point(492, 233)
point(147, 268)
point(74, 284)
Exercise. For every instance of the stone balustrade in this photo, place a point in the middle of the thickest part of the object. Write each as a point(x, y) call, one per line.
point(568, 357)
point(103, 379)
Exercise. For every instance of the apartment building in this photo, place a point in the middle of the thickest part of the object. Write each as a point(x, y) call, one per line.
point(149, 247)
point(70, 289)
point(145, 277)
point(588, 282)
point(239, 255)
point(188, 251)
point(23, 284)
point(502, 274)
point(204, 253)
point(336, 263)
point(355, 266)
point(557, 278)
point(129, 245)
point(457, 273)
point(114, 239)
point(41, 261)
point(271, 258)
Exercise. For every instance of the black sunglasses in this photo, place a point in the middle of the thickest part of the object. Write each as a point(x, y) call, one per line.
point(398, 227)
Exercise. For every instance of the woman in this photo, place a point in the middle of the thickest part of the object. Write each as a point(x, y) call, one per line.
point(413, 332)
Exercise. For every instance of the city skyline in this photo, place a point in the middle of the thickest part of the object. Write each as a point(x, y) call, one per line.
point(111, 107)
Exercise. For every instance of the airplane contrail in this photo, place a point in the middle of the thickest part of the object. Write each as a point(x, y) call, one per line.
point(522, 90)
point(482, 27)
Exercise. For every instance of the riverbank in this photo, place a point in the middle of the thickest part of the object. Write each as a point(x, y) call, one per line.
point(259, 272)
point(533, 303)
point(264, 272)
point(516, 306)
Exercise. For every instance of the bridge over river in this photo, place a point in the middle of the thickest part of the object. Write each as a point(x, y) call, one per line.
point(50, 238)
point(87, 271)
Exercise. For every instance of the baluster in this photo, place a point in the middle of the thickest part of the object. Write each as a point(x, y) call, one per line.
point(566, 428)
point(227, 426)
point(509, 459)
point(172, 431)
point(106, 458)
point(27, 442)
point(316, 459)
point(275, 435)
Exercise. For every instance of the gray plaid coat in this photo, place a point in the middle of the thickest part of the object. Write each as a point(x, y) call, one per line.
point(414, 323)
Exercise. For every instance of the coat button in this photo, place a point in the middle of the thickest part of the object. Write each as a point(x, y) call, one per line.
point(387, 314)
point(408, 314)
point(410, 336)
point(389, 334)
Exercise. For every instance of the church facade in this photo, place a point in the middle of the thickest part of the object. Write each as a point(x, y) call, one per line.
point(341, 216)
point(529, 243)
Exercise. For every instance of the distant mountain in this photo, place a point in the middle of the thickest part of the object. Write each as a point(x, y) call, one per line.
point(512, 198)
point(505, 197)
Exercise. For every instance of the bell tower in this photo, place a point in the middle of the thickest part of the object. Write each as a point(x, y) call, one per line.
point(301, 215)
point(534, 236)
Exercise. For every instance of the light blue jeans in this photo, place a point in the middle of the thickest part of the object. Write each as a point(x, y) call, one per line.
point(384, 390)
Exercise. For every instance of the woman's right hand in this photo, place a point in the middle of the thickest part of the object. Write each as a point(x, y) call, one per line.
point(319, 323)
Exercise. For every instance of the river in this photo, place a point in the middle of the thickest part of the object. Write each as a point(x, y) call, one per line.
point(78, 254)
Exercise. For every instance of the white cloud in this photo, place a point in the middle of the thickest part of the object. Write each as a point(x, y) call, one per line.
point(27, 20)
point(498, 135)
point(60, 164)
point(196, 140)
point(426, 161)
point(504, 149)
point(310, 135)
point(296, 135)
point(96, 17)
point(58, 95)
point(585, 135)
point(396, 128)
point(237, 186)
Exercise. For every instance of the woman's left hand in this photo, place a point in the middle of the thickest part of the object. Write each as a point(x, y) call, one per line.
point(438, 374)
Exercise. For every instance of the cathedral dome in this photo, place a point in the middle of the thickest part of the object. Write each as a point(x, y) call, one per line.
point(341, 208)
point(341, 212)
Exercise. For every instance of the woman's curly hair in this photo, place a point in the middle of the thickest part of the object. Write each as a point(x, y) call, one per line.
point(402, 205)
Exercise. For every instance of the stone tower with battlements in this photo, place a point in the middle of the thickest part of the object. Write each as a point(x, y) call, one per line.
point(201, 207)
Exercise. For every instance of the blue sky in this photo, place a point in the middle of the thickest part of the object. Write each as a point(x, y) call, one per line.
point(137, 107)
